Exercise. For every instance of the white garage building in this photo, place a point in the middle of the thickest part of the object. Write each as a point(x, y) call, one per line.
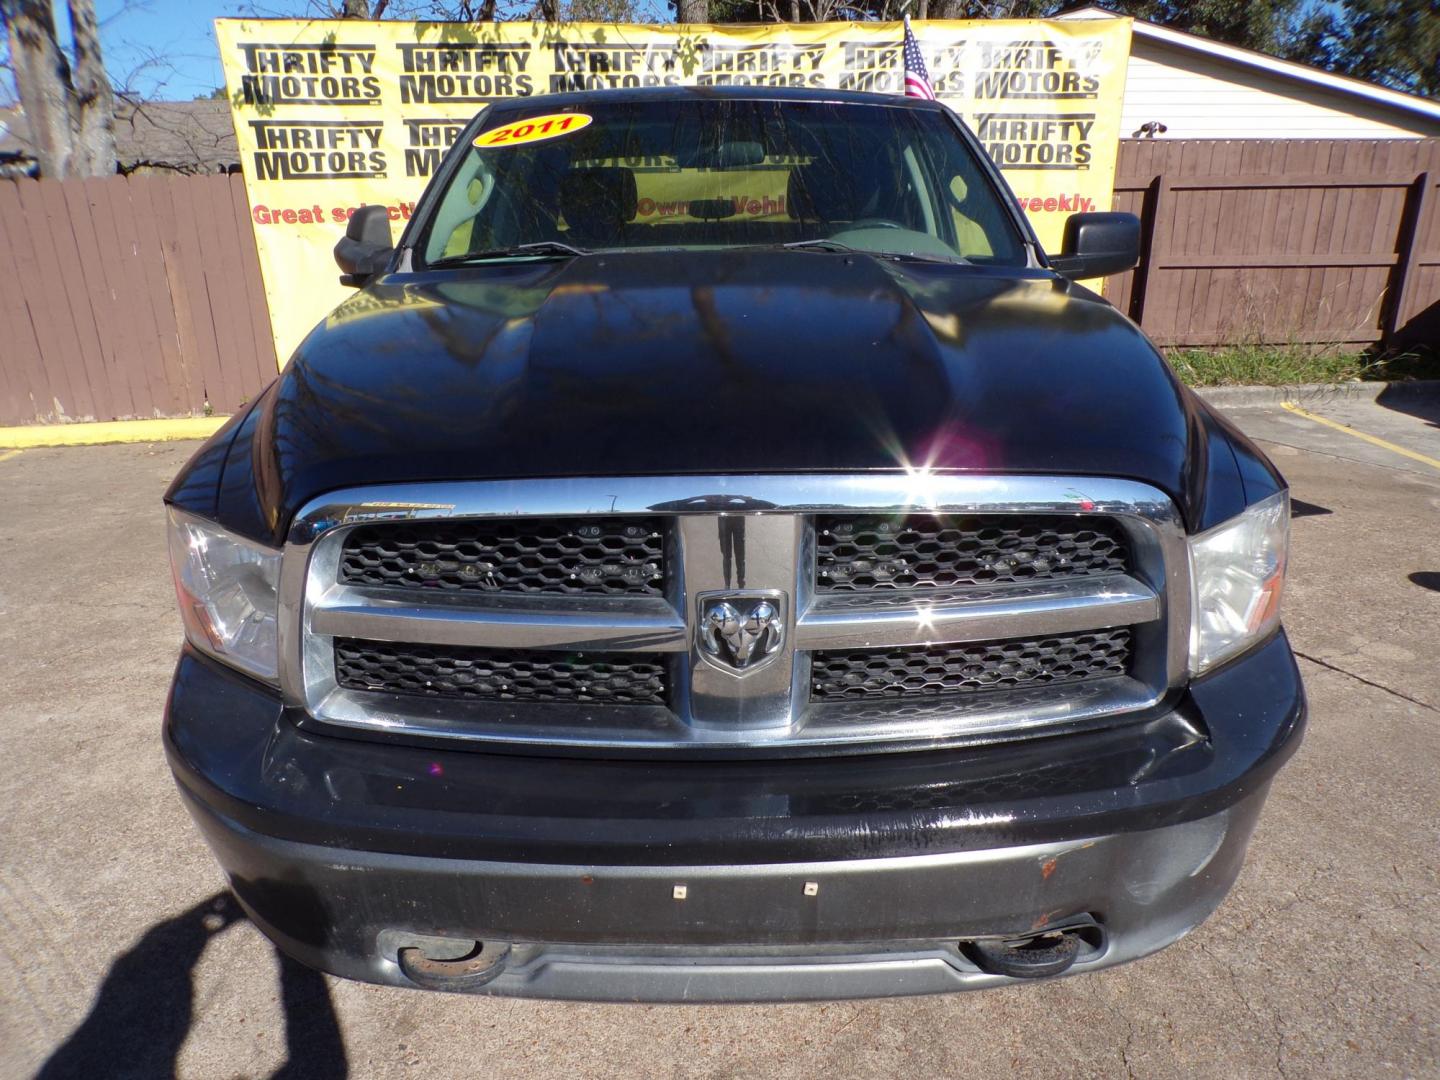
point(1202, 89)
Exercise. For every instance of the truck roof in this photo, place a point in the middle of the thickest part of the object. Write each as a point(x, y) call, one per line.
point(710, 93)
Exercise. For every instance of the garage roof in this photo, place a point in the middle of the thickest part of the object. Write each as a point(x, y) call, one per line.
point(1249, 58)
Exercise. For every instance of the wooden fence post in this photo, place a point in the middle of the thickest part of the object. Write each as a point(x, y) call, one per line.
point(1407, 261)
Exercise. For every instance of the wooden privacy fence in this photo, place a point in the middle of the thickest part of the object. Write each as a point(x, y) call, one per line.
point(141, 296)
point(1279, 241)
point(129, 297)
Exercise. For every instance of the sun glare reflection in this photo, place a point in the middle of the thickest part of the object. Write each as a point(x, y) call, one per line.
point(925, 618)
point(920, 485)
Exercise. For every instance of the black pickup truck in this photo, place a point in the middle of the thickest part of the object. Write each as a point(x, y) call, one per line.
point(719, 555)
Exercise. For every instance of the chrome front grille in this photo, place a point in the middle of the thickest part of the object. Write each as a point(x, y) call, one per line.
point(734, 640)
point(970, 667)
point(602, 556)
point(447, 671)
point(856, 552)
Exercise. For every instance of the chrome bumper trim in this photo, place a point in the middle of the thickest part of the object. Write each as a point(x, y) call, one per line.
point(836, 725)
point(641, 624)
point(836, 622)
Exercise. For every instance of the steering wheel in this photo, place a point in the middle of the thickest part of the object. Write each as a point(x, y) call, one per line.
point(873, 223)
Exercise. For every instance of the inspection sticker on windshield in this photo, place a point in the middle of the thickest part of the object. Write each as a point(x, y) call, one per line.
point(536, 129)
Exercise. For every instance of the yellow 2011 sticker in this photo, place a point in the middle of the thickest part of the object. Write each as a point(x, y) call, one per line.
point(536, 129)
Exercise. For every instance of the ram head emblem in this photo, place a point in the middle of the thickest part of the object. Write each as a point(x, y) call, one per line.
point(740, 632)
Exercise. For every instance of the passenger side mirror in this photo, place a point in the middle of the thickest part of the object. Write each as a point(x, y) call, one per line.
point(366, 247)
point(1097, 245)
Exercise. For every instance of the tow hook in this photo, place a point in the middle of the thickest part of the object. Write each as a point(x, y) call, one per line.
point(1036, 956)
point(477, 967)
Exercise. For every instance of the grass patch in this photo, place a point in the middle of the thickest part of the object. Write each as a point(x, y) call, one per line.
point(1288, 365)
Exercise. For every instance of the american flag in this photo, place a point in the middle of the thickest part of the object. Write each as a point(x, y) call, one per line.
point(917, 79)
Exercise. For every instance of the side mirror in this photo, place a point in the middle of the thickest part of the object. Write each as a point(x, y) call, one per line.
point(1097, 245)
point(366, 247)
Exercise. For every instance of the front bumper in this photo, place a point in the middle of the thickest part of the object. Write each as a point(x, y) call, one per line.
point(801, 879)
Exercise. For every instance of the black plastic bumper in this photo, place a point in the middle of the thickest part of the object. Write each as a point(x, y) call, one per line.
point(340, 847)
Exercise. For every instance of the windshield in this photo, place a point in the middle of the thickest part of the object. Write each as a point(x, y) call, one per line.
point(719, 173)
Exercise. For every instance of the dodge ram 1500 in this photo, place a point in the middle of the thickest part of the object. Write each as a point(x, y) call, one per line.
point(717, 554)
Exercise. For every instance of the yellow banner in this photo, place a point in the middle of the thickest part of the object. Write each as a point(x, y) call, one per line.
point(333, 115)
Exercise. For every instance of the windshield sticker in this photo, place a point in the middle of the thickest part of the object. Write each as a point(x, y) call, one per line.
point(536, 129)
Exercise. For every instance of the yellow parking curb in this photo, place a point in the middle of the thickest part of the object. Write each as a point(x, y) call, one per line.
point(1373, 440)
point(112, 431)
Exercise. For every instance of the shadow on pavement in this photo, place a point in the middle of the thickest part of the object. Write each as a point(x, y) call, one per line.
point(144, 1008)
point(1426, 579)
point(1421, 404)
point(1300, 508)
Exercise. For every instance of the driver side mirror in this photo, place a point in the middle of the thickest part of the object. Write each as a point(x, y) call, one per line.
point(1098, 244)
point(366, 247)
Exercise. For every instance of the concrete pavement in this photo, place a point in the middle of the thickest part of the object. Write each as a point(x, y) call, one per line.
point(121, 955)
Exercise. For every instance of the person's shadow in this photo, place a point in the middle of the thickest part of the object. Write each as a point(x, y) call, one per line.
point(144, 1007)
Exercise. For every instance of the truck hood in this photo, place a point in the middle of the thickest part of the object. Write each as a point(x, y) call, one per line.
point(722, 362)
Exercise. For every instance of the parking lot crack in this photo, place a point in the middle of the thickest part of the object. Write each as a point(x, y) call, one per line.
point(1302, 894)
point(1368, 682)
point(1410, 470)
point(1125, 1050)
point(1241, 992)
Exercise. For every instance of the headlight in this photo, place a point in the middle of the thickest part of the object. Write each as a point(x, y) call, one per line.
point(1237, 571)
point(228, 591)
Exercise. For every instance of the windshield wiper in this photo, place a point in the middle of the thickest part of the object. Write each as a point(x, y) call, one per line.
point(542, 247)
point(824, 244)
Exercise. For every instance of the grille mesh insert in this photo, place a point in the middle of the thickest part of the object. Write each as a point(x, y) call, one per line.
point(858, 553)
point(604, 556)
point(500, 674)
point(969, 666)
